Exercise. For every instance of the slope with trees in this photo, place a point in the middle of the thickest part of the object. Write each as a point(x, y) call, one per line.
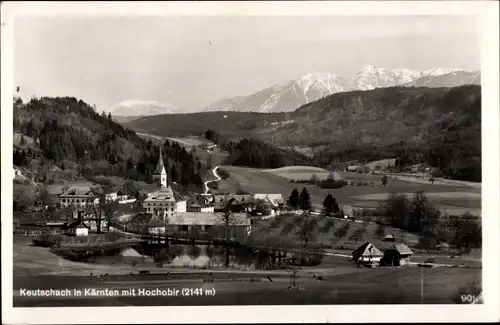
point(71, 137)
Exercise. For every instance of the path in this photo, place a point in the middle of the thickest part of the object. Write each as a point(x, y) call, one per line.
point(214, 171)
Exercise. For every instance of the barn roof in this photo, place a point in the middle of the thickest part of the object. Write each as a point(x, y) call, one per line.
point(401, 248)
point(367, 249)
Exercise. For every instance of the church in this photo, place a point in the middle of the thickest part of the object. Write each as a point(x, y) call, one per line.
point(162, 203)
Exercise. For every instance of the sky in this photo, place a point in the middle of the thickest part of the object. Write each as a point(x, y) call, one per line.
point(192, 61)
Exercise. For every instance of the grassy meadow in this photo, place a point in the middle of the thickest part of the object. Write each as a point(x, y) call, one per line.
point(366, 190)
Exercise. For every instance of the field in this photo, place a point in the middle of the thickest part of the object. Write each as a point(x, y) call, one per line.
point(359, 286)
point(463, 199)
point(342, 283)
point(301, 173)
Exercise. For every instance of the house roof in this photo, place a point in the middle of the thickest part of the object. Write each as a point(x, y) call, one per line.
point(77, 224)
point(367, 249)
point(199, 201)
point(274, 199)
point(389, 236)
point(239, 198)
point(79, 191)
point(401, 248)
point(165, 194)
point(207, 218)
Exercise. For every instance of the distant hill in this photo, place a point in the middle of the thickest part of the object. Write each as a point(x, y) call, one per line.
point(141, 107)
point(125, 119)
point(441, 126)
point(72, 138)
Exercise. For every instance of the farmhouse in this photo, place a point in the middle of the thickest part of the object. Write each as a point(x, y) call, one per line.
point(199, 203)
point(275, 200)
point(238, 203)
point(78, 196)
point(397, 255)
point(367, 254)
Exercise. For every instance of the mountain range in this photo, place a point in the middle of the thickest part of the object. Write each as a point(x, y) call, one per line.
point(313, 86)
point(310, 87)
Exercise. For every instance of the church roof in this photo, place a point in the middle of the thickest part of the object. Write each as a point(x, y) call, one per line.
point(159, 166)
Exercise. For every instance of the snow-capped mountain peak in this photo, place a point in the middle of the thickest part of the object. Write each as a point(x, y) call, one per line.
point(323, 82)
point(137, 107)
point(439, 71)
point(371, 77)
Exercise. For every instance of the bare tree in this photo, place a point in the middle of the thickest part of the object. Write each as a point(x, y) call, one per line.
point(97, 207)
point(307, 230)
point(109, 209)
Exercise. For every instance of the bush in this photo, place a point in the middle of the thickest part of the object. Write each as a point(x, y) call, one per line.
point(224, 174)
point(213, 185)
point(333, 184)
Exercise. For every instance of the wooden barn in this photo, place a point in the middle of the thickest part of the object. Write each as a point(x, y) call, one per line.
point(397, 255)
point(367, 254)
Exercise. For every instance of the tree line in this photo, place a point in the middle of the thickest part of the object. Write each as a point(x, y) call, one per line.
point(418, 215)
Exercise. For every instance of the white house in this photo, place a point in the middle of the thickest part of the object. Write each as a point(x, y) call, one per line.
point(111, 197)
point(77, 228)
point(180, 206)
point(17, 172)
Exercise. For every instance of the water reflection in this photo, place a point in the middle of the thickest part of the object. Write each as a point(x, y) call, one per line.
point(191, 256)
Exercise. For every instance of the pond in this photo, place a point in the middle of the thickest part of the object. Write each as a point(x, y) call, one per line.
point(193, 256)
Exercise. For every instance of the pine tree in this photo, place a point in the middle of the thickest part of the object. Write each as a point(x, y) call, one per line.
point(335, 205)
point(305, 200)
point(293, 200)
point(328, 204)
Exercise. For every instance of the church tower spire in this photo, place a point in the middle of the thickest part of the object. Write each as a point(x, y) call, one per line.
point(160, 174)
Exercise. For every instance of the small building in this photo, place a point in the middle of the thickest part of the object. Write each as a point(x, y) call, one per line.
point(367, 254)
point(79, 197)
point(445, 247)
point(199, 203)
point(111, 197)
point(17, 172)
point(397, 255)
point(77, 228)
point(390, 238)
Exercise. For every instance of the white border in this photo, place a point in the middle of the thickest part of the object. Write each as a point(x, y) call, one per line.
point(488, 10)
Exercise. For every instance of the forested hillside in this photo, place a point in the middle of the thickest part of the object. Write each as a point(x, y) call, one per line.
point(440, 126)
point(65, 138)
point(256, 153)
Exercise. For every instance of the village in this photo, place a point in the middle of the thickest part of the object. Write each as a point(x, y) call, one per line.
point(162, 210)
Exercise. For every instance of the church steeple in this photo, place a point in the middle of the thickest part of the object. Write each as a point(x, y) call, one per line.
point(160, 174)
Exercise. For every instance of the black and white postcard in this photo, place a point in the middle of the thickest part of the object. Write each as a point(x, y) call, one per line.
point(250, 162)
